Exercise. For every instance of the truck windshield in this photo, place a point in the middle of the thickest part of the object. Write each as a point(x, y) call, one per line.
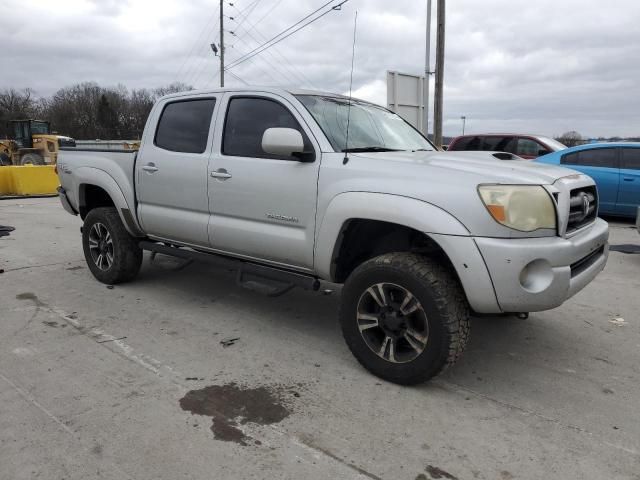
point(371, 128)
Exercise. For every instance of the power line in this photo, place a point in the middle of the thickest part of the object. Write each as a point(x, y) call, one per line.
point(193, 69)
point(206, 66)
point(236, 76)
point(290, 67)
point(273, 7)
point(268, 44)
point(252, 6)
point(195, 44)
point(274, 67)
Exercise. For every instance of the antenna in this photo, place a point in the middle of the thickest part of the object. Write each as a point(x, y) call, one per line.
point(353, 55)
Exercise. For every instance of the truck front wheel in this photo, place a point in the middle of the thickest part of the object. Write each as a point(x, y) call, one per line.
point(404, 317)
point(113, 256)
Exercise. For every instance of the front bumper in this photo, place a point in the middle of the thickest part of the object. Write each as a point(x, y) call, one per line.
point(535, 274)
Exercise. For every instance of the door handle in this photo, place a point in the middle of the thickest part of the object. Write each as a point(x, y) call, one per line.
point(627, 179)
point(150, 167)
point(221, 173)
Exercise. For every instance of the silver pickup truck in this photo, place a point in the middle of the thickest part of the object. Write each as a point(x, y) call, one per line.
point(268, 182)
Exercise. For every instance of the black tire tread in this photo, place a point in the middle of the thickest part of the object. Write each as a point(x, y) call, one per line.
point(127, 253)
point(451, 303)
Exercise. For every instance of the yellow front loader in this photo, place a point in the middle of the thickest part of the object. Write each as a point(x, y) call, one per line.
point(32, 143)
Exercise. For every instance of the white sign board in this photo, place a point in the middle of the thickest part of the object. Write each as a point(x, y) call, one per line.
point(405, 96)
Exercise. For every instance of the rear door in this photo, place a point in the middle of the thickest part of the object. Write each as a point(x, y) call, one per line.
point(172, 170)
point(629, 192)
point(262, 206)
point(601, 164)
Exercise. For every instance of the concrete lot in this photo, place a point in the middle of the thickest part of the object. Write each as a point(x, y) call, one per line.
point(95, 382)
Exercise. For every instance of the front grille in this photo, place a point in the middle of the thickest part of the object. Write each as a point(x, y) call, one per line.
point(583, 207)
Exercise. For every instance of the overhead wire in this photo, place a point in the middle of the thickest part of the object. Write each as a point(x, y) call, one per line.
point(195, 45)
point(290, 67)
point(287, 29)
point(245, 12)
point(273, 42)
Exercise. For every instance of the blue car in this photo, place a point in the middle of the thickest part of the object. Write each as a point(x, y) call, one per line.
point(615, 167)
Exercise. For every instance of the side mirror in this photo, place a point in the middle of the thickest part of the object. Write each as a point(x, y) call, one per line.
point(282, 141)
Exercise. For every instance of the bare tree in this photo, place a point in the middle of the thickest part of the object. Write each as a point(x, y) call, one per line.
point(87, 111)
point(15, 104)
point(570, 139)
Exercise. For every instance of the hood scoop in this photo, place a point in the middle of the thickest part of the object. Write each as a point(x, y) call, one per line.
point(506, 156)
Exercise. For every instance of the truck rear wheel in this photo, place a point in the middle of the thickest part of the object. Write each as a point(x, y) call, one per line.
point(113, 256)
point(404, 317)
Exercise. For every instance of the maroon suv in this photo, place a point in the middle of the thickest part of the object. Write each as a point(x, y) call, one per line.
point(525, 146)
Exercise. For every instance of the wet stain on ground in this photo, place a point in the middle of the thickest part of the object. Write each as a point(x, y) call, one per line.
point(51, 324)
point(72, 269)
point(232, 405)
point(437, 473)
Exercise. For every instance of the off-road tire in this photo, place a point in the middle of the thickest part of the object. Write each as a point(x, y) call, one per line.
point(32, 159)
point(127, 255)
point(442, 300)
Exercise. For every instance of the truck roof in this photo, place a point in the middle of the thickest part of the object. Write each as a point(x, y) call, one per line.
point(276, 90)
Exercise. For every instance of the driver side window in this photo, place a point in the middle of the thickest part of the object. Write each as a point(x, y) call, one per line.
point(247, 120)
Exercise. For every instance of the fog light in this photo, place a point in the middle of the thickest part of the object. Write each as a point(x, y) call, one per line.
point(536, 276)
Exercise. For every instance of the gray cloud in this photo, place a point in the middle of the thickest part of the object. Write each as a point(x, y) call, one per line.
point(543, 66)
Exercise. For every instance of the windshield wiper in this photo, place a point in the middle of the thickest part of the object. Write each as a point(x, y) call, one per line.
point(371, 149)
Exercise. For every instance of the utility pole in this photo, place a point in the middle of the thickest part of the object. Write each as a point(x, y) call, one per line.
point(427, 72)
point(221, 43)
point(438, 94)
point(464, 122)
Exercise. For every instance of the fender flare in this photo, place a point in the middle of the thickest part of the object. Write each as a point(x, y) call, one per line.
point(93, 176)
point(406, 211)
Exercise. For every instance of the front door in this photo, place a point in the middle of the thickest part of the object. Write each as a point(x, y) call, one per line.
point(172, 171)
point(262, 206)
point(629, 192)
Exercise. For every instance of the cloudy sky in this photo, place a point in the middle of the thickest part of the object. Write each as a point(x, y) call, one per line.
point(544, 66)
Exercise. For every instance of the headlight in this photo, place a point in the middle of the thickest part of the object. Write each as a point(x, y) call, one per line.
point(521, 207)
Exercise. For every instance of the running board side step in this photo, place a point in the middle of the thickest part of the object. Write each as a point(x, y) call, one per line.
point(262, 278)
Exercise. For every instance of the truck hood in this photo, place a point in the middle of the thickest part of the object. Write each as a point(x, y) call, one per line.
point(482, 165)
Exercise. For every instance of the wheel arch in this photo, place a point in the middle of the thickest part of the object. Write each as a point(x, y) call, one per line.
point(96, 188)
point(396, 218)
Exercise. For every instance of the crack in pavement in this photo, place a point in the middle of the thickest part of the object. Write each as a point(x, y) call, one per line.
point(457, 388)
point(39, 266)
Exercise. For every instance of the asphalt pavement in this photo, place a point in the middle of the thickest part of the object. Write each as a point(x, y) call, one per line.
point(183, 374)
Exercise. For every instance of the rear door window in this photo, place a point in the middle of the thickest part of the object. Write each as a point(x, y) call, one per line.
point(184, 126)
point(599, 157)
point(630, 158)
